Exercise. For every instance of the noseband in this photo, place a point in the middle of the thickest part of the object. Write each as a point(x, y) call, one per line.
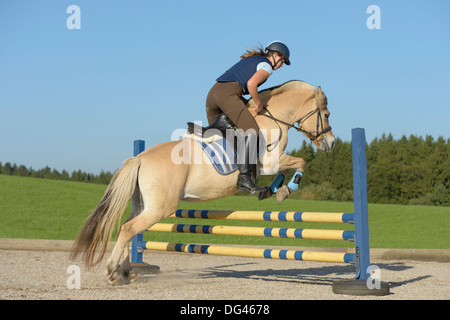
point(320, 130)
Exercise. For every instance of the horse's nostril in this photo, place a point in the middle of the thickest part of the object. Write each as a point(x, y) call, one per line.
point(331, 145)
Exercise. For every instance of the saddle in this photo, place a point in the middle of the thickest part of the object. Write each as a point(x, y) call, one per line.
point(214, 142)
point(219, 144)
point(222, 123)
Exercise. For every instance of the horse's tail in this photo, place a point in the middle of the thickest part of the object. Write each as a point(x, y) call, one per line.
point(100, 224)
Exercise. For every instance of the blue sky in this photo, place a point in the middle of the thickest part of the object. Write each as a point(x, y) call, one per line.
point(76, 99)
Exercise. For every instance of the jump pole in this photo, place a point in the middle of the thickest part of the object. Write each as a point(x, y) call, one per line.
point(360, 203)
point(137, 262)
point(137, 255)
point(362, 284)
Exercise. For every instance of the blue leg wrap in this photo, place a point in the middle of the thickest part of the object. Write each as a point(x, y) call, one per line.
point(277, 183)
point(293, 184)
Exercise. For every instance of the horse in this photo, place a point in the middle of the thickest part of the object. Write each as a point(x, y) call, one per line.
point(156, 180)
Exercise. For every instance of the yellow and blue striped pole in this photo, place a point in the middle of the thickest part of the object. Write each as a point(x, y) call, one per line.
point(249, 252)
point(256, 231)
point(331, 217)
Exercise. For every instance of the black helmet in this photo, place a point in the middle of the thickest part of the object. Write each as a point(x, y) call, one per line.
point(280, 47)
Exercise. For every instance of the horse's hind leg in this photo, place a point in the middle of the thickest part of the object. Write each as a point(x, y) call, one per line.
point(125, 271)
point(159, 194)
point(118, 266)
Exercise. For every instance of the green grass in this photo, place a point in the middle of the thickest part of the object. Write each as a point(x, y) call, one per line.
point(50, 209)
point(45, 209)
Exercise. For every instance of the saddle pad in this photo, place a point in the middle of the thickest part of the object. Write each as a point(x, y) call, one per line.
point(221, 155)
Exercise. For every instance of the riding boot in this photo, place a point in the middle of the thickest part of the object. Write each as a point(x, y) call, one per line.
point(247, 170)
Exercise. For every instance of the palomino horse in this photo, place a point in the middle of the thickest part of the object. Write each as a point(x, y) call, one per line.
point(156, 183)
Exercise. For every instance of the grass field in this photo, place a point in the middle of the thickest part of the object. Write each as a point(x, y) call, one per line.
point(50, 209)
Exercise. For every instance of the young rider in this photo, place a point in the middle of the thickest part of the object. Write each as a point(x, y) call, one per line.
point(226, 96)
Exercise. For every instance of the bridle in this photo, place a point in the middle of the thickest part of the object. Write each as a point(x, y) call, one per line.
point(320, 130)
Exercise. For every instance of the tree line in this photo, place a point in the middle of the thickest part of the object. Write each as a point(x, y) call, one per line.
point(410, 170)
point(406, 171)
point(48, 173)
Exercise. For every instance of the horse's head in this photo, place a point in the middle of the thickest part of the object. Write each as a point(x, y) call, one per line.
point(298, 102)
point(315, 124)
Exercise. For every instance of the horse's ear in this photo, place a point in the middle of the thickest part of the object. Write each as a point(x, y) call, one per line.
point(320, 97)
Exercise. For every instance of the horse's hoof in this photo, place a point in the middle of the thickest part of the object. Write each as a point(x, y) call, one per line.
point(114, 278)
point(265, 194)
point(133, 276)
point(282, 193)
point(128, 277)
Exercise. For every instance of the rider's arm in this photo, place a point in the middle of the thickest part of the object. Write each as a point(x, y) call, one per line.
point(252, 86)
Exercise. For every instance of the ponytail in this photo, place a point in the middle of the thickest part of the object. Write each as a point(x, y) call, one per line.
point(254, 52)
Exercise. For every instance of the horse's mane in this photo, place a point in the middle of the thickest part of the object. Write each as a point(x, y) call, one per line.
point(290, 85)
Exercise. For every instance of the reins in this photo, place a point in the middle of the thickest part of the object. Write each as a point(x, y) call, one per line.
point(313, 136)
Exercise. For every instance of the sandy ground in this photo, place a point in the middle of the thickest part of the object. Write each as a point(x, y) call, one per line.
point(43, 275)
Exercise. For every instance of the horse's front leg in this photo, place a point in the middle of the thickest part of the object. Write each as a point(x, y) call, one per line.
point(286, 163)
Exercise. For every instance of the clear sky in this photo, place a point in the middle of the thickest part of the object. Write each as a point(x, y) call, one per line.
point(76, 99)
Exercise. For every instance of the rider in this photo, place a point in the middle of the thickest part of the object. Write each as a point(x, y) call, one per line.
point(226, 96)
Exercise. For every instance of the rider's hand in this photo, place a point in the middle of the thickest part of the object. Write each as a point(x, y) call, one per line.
point(258, 107)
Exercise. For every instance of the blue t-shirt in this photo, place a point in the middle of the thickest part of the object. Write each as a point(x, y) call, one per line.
point(242, 71)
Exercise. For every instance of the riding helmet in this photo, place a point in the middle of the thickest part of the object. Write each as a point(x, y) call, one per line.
point(280, 47)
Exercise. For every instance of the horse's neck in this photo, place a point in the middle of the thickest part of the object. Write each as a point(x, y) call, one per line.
point(290, 105)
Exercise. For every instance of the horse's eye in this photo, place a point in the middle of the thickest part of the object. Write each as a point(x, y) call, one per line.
point(327, 115)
